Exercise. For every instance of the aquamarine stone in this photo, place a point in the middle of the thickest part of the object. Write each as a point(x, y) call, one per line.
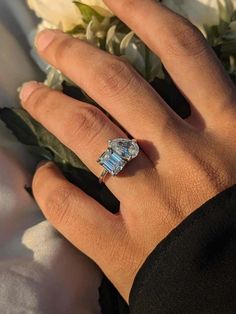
point(112, 162)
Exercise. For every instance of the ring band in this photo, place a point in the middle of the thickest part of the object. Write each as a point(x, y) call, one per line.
point(119, 152)
point(103, 176)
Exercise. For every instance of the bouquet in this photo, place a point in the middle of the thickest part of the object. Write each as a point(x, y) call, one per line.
point(92, 21)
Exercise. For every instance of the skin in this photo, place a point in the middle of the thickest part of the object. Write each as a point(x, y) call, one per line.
point(182, 164)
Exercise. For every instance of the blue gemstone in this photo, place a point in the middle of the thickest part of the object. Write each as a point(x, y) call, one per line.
point(112, 162)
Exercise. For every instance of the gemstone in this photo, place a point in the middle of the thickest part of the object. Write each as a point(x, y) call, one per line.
point(127, 149)
point(112, 162)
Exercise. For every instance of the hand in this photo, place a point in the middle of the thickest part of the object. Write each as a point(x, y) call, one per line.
point(182, 163)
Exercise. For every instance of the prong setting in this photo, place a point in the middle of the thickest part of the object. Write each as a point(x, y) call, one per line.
point(119, 152)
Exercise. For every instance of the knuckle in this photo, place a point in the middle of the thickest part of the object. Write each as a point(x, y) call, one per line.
point(58, 205)
point(187, 40)
point(117, 78)
point(85, 125)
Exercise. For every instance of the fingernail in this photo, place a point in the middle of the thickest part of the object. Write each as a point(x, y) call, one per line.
point(42, 163)
point(27, 89)
point(44, 38)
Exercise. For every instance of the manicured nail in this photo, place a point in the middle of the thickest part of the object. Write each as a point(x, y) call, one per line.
point(42, 163)
point(27, 89)
point(44, 38)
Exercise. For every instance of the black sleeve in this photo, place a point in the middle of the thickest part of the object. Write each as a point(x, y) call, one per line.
point(193, 270)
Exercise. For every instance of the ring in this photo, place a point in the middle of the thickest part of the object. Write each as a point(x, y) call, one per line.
point(119, 152)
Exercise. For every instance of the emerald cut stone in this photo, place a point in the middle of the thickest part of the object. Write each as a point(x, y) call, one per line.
point(112, 162)
point(119, 152)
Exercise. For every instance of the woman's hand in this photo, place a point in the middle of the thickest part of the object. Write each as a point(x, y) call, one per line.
point(182, 163)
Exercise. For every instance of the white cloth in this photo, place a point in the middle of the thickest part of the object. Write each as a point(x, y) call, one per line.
point(40, 272)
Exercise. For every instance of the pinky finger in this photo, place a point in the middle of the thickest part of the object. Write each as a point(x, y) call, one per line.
point(83, 221)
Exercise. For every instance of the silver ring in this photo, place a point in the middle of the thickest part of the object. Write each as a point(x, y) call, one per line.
point(103, 176)
point(119, 152)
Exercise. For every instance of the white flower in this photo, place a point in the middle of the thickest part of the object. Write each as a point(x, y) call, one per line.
point(201, 12)
point(64, 14)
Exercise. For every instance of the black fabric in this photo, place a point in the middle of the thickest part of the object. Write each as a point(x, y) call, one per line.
point(110, 300)
point(193, 270)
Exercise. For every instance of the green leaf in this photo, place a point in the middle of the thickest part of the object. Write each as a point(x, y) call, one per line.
point(88, 12)
point(76, 30)
point(226, 10)
point(228, 48)
point(46, 146)
point(212, 33)
point(233, 17)
point(42, 142)
point(22, 130)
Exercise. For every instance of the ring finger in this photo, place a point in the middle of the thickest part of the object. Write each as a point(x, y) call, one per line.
point(85, 130)
point(115, 86)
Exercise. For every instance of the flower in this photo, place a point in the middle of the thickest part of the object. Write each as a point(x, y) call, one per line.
point(64, 14)
point(99, 6)
point(90, 20)
point(203, 12)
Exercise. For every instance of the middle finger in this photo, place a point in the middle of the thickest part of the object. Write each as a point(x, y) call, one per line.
point(115, 85)
point(185, 53)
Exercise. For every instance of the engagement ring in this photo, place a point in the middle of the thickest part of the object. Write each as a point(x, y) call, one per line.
point(119, 152)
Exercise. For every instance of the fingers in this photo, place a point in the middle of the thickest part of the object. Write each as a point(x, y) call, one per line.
point(184, 52)
point(85, 130)
point(113, 84)
point(88, 226)
point(82, 220)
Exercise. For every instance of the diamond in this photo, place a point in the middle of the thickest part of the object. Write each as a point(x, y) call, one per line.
point(112, 162)
point(127, 149)
point(119, 152)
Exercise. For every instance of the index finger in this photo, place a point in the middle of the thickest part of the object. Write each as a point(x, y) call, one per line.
point(183, 50)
